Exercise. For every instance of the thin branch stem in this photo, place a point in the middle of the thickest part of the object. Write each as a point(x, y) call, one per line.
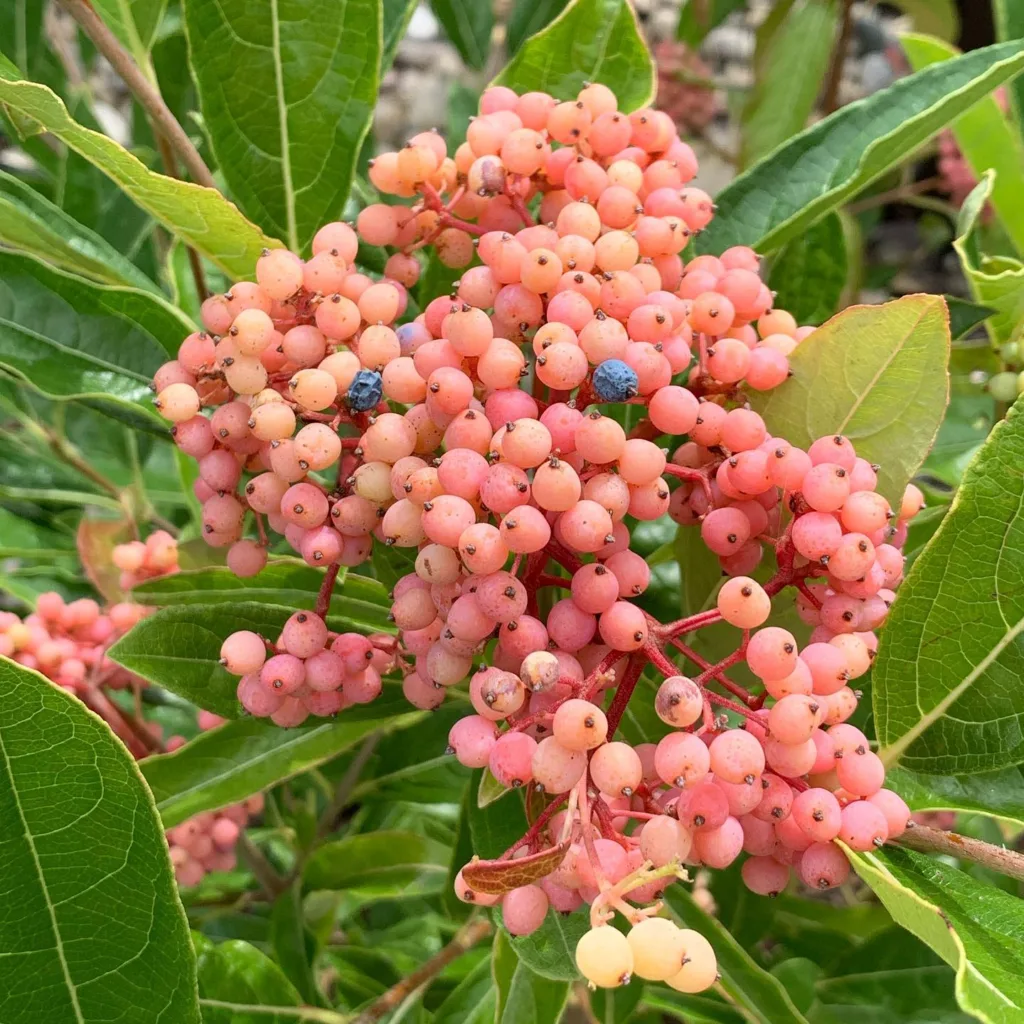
point(142, 88)
point(312, 1014)
point(323, 600)
point(900, 193)
point(934, 840)
point(270, 881)
point(468, 936)
point(346, 787)
point(835, 75)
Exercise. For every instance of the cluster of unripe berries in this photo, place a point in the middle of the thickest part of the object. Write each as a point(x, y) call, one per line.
point(594, 302)
point(144, 560)
point(308, 671)
point(67, 642)
point(207, 841)
point(472, 435)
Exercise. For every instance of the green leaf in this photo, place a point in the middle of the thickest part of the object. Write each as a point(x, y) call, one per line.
point(504, 964)
point(965, 316)
point(699, 17)
point(24, 39)
point(379, 864)
point(550, 951)
point(1009, 19)
point(293, 944)
point(358, 602)
point(760, 995)
point(890, 979)
point(238, 983)
point(495, 824)
point(946, 691)
point(472, 1001)
point(228, 764)
point(809, 274)
point(31, 223)
point(287, 92)
point(616, 1005)
point(396, 17)
point(876, 374)
point(690, 1009)
point(986, 139)
point(134, 22)
point(21, 538)
point(468, 25)
point(937, 18)
point(528, 18)
point(533, 999)
point(826, 165)
point(92, 928)
point(590, 41)
point(999, 793)
point(71, 338)
point(413, 767)
point(201, 216)
point(995, 281)
point(790, 62)
point(976, 928)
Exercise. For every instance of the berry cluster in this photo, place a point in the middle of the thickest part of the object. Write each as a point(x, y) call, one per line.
point(207, 842)
point(486, 436)
point(309, 671)
point(67, 642)
point(144, 560)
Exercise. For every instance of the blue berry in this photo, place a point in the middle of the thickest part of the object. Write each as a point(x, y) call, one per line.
point(366, 390)
point(615, 381)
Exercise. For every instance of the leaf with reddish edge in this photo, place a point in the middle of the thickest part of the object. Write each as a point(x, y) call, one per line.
point(96, 540)
point(497, 877)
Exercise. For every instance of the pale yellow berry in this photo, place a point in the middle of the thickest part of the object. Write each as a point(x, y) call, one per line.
point(658, 948)
point(700, 968)
point(604, 957)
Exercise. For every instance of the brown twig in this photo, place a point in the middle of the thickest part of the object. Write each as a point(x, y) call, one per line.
point(934, 840)
point(347, 785)
point(270, 881)
point(144, 90)
point(830, 102)
point(465, 938)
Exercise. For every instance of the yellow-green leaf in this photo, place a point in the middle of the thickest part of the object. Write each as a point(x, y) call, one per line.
point(995, 281)
point(201, 216)
point(876, 374)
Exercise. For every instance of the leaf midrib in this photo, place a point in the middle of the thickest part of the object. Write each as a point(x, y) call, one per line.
point(282, 118)
point(51, 910)
point(893, 353)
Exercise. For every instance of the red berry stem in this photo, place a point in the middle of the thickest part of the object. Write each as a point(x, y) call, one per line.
point(536, 827)
point(624, 690)
point(433, 201)
point(670, 630)
point(323, 599)
point(700, 476)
